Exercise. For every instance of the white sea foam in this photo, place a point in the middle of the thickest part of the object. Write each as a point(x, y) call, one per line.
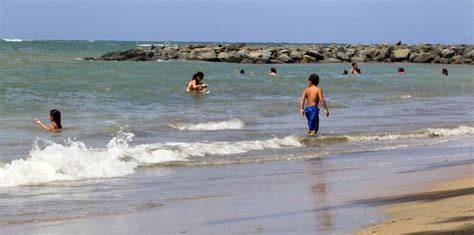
point(12, 40)
point(430, 132)
point(49, 161)
point(232, 124)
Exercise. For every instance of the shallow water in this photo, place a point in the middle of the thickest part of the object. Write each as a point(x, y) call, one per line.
point(133, 120)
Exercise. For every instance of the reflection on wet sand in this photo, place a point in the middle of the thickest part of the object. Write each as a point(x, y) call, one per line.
point(319, 191)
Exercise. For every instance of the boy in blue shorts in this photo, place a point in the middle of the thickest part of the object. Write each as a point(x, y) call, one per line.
point(311, 96)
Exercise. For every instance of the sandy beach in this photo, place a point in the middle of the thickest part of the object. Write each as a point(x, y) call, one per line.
point(445, 209)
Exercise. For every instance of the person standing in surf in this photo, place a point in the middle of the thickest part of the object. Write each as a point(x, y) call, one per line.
point(55, 118)
point(312, 96)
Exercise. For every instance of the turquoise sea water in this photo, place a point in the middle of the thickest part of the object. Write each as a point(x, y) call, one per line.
point(123, 120)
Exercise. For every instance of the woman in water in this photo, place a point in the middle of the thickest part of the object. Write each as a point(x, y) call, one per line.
point(55, 118)
point(195, 84)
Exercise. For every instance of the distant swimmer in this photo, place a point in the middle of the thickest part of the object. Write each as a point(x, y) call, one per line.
point(242, 71)
point(273, 72)
point(311, 96)
point(355, 69)
point(401, 71)
point(344, 72)
point(444, 71)
point(195, 84)
point(55, 118)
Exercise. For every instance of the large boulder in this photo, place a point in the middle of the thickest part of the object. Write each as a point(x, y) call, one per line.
point(425, 48)
point(400, 55)
point(193, 53)
point(259, 55)
point(457, 59)
point(469, 54)
point(169, 53)
point(369, 53)
point(208, 56)
point(315, 54)
point(342, 56)
point(308, 59)
point(414, 56)
point(285, 58)
point(447, 53)
point(230, 56)
point(424, 58)
point(383, 53)
point(296, 55)
point(350, 51)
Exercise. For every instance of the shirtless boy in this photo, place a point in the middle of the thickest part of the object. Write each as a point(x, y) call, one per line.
point(311, 96)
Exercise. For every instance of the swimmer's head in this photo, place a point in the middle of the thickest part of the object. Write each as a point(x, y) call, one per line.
point(273, 70)
point(314, 79)
point(198, 76)
point(55, 116)
point(242, 71)
point(444, 71)
point(354, 65)
point(344, 72)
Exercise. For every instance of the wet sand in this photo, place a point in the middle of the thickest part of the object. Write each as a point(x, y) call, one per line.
point(335, 195)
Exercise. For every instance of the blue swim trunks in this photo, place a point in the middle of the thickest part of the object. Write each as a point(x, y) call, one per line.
point(312, 114)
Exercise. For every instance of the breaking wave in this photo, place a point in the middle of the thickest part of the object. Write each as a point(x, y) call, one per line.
point(232, 124)
point(425, 133)
point(49, 161)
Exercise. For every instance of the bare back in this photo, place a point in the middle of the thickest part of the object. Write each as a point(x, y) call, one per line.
point(312, 95)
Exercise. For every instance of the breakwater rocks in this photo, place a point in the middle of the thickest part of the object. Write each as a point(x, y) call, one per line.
point(278, 54)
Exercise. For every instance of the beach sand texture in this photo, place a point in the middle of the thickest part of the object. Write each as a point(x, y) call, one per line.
point(445, 209)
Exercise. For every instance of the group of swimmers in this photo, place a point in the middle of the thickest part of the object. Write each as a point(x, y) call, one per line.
point(310, 99)
point(400, 70)
point(354, 70)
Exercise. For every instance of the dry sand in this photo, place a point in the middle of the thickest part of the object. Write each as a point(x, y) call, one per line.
point(445, 209)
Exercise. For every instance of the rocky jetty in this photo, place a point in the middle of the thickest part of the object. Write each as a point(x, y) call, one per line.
point(301, 53)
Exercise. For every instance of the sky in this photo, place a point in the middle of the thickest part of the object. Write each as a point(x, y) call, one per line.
point(292, 21)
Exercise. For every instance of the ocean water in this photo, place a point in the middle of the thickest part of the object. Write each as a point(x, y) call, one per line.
point(130, 126)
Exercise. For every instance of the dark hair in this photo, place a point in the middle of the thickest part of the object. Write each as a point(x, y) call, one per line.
point(344, 71)
point(273, 70)
point(400, 69)
point(354, 64)
point(196, 77)
point(200, 74)
point(444, 71)
point(56, 116)
point(242, 71)
point(314, 79)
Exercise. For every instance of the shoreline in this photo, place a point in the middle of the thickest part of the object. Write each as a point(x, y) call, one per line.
point(297, 53)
